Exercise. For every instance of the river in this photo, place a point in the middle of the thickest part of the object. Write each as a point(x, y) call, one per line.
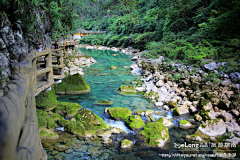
point(104, 83)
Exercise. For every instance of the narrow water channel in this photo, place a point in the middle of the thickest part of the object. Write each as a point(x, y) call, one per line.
point(104, 84)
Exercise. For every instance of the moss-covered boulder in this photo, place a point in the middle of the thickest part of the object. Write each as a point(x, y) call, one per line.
point(74, 84)
point(149, 113)
point(126, 144)
point(127, 89)
point(165, 122)
point(150, 95)
point(119, 113)
point(48, 134)
point(47, 100)
point(44, 120)
point(180, 110)
point(156, 134)
point(104, 103)
point(68, 109)
point(55, 116)
point(134, 122)
point(113, 67)
point(213, 128)
point(87, 124)
point(184, 124)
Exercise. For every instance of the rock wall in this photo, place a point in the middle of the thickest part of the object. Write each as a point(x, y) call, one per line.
point(19, 134)
point(14, 42)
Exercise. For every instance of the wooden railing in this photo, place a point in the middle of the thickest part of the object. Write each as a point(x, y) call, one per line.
point(48, 64)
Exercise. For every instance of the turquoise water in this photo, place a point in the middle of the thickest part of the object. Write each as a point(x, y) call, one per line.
point(104, 84)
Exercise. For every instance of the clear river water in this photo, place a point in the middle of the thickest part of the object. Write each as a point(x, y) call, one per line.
point(104, 84)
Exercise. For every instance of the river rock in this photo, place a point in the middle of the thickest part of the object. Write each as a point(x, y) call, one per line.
point(180, 110)
point(156, 134)
point(213, 128)
point(61, 148)
point(135, 122)
point(149, 113)
point(193, 138)
point(165, 122)
point(126, 144)
point(211, 66)
point(160, 83)
point(119, 113)
point(197, 117)
point(184, 124)
point(74, 84)
point(104, 103)
point(136, 70)
point(235, 77)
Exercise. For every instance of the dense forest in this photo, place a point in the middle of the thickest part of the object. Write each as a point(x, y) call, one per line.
point(185, 30)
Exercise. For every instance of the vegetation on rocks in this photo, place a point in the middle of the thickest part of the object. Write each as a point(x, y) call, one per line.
point(119, 112)
point(156, 134)
point(86, 124)
point(68, 109)
point(104, 103)
point(44, 120)
point(127, 89)
point(47, 100)
point(73, 84)
point(134, 122)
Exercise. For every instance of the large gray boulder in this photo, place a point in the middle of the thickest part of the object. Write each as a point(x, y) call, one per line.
point(213, 128)
point(210, 66)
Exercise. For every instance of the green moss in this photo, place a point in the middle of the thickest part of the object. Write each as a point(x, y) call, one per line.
point(87, 123)
point(150, 94)
point(44, 120)
point(47, 135)
point(139, 82)
point(119, 112)
point(130, 88)
point(113, 67)
point(205, 114)
point(72, 85)
point(46, 100)
point(135, 122)
point(104, 102)
point(85, 56)
point(172, 104)
point(175, 111)
point(90, 120)
point(154, 132)
point(56, 116)
point(203, 102)
point(184, 122)
point(68, 109)
point(140, 112)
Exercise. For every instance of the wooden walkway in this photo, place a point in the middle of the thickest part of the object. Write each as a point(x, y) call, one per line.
point(48, 65)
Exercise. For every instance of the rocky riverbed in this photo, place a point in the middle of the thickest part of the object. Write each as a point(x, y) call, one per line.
point(183, 89)
point(184, 108)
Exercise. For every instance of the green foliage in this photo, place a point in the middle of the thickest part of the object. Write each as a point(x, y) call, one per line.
point(119, 112)
point(44, 120)
point(135, 122)
point(73, 83)
point(46, 100)
point(154, 132)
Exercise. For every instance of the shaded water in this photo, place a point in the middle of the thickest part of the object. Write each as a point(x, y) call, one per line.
point(104, 84)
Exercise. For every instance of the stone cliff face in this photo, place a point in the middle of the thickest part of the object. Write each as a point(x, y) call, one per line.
point(14, 42)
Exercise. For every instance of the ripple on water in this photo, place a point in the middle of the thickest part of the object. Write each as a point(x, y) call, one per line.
point(118, 124)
